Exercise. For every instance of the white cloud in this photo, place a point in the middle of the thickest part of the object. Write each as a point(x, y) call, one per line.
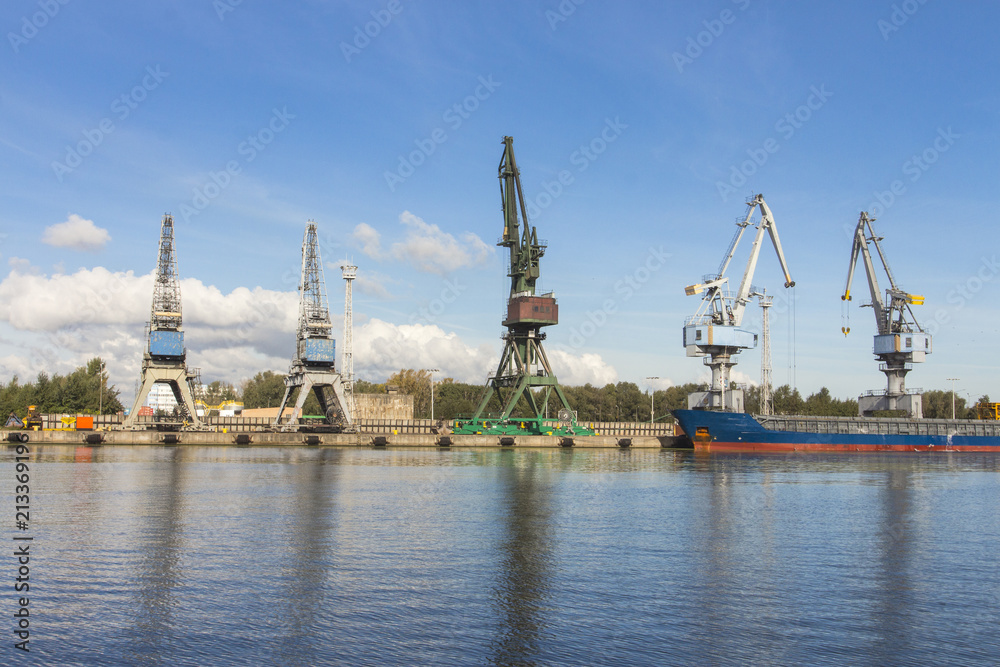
point(426, 247)
point(367, 282)
point(382, 348)
point(58, 322)
point(77, 233)
point(574, 370)
point(431, 250)
point(370, 240)
point(55, 323)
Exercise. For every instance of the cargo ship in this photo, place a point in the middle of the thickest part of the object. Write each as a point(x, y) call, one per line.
point(740, 432)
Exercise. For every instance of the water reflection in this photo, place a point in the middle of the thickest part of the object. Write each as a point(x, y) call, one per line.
point(157, 570)
point(315, 484)
point(895, 601)
point(521, 591)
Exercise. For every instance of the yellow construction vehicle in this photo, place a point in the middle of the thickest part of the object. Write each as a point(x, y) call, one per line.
point(33, 420)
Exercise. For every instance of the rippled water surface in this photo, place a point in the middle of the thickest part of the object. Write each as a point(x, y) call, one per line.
point(240, 556)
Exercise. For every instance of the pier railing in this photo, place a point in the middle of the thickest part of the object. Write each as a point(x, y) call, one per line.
point(375, 426)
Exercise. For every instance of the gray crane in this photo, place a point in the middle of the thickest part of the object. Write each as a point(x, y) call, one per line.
point(312, 368)
point(164, 360)
point(899, 341)
point(715, 331)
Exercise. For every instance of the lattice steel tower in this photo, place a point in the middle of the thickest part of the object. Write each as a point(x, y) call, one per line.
point(313, 367)
point(164, 360)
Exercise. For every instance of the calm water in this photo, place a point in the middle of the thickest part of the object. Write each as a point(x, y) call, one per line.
point(239, 556)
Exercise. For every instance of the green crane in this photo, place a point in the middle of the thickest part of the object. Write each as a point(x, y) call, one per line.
point(523, 366)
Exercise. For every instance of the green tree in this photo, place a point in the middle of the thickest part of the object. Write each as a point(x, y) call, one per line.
point(937, 405)
point(455, 399)
point(787, 401)
point(416, 383)
point(264, 390)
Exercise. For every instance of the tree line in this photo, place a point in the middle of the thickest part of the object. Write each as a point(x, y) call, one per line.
point(86, 391)
point(622, 401)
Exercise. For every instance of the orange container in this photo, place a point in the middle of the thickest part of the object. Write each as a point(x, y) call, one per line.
point(85, 423)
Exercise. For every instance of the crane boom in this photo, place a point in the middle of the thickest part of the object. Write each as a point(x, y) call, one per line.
point(860, 249)
point(888, 319)
point(525, 250)
point(899, 339)
point(766, 222)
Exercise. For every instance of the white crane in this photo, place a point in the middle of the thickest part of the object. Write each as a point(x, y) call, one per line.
point(714, 331)
point(899, 341)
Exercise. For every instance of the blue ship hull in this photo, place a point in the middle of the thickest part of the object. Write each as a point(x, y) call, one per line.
point(739, 432)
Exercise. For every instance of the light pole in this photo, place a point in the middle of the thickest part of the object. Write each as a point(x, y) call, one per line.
point(651, 392)
point(100, 396)
point(432, 371)
point(953, 381)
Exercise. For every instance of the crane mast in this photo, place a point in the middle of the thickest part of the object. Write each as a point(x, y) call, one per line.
point(313, 367)
point(164, 359)
point(899, 339)
point(715, 330)
point(524, 382)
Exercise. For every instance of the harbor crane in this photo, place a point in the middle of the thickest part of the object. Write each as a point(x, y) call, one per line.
point(523, 366)
point(313, 367)
point(715, 330)
point(899, 341)
point(164, 360)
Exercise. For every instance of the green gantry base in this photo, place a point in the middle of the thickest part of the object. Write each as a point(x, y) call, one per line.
point(527, 426)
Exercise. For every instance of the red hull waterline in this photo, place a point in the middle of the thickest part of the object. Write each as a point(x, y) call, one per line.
point(831, 447)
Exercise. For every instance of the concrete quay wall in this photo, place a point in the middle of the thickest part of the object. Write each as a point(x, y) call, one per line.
point(264, 439)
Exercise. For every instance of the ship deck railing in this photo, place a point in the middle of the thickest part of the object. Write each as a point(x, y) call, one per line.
point(880, 426)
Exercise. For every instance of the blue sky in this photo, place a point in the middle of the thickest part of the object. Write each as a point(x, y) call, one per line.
point(245, 120)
